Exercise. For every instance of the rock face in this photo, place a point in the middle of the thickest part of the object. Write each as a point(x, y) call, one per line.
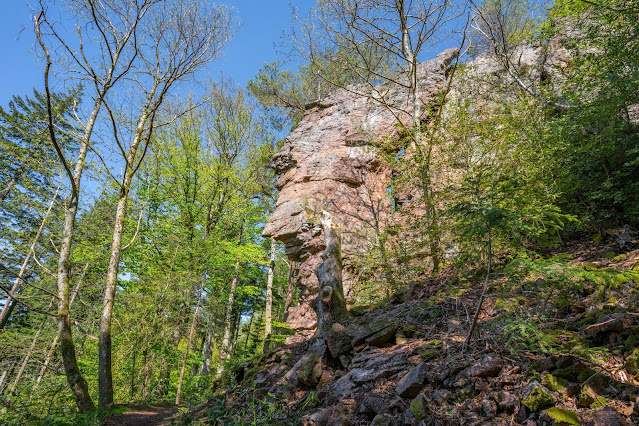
point(329, 162)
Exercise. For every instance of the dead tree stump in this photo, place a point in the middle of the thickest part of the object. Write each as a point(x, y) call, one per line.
point(330, 303)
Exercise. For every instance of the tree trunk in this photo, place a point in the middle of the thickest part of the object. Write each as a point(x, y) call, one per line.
point(228, 322)
point(188, 347)
point(289, 291)
point(67, 348)
point(269, 299)
point(331, 306)
point(105, 374)
point(6, 310)
point(205, 368)
point(248, 333)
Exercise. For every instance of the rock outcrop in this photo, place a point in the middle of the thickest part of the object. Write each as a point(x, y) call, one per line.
point(330, 162)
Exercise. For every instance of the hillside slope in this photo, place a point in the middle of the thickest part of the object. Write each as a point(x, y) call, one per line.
point(558, 344)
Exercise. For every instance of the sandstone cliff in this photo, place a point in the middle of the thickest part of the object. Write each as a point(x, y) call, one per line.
point(331, 162)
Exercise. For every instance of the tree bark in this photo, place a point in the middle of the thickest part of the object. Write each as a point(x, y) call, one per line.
point(289, 291)
point(331, 305)
point(105, 374)
point(248, 333)
point(269, 299)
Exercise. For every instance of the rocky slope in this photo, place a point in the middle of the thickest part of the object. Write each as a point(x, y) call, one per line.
point(404, 363)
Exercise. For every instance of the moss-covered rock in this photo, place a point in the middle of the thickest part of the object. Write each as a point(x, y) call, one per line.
point(553, 383)
point(428, 354)
point(589, 398)
point(418, 407)
point(632, 363)
point(563, 417)
point(536, 396)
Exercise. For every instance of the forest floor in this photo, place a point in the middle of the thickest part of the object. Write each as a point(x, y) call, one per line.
point(558, 343)
point(143, 416)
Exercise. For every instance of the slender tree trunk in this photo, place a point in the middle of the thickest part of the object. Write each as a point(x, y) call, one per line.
point(248, 333)
point(483, 293)
point(289, 291)
point(105, 374)
point(207, 352)
point(269, 299)
point(331, 306)
point(27, 357)
point(5, 376)
point(6, 309)
point(228, 322)
point(132, 388)
point(188, 347)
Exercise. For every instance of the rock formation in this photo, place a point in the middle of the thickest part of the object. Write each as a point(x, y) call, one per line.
point(329, 162)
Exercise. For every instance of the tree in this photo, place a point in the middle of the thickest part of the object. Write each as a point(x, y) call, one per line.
point(177, 41)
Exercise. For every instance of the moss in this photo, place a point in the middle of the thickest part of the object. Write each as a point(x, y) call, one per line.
point(585, 375)
point(409, 330)
point(562, 417)
point(620, 258)
point(589, 398)
point(553, 383)
point(537, 398)
point(427, 354)
point(434, 342)
point(632, 363)
point(418, 407)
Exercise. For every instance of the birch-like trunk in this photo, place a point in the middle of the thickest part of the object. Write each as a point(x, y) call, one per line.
point(289, 291)
point(105, 374)
point(269, 298)
point(228, 322)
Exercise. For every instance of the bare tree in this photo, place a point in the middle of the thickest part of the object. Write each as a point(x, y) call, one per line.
point(112, 27)
point(177, 40)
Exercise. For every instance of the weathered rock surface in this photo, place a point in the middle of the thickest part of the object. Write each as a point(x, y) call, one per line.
point(329, 162)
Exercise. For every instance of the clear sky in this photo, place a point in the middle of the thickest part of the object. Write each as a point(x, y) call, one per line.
point(261, 25)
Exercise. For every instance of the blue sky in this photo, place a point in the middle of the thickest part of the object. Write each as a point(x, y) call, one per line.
point(261, 25)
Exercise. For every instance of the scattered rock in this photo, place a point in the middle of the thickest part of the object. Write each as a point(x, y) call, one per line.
point(536, 396)
point(553, 383)
point(308, 370)
point(508, 401)
point(606, 416)
point(489, 407)
point(589, 398)
point(383, 336)
point(490, 366)
point(410, 385)
point(632, 364)
point(418, 407)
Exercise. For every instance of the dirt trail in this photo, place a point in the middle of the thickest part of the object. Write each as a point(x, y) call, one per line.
point(142, 416)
